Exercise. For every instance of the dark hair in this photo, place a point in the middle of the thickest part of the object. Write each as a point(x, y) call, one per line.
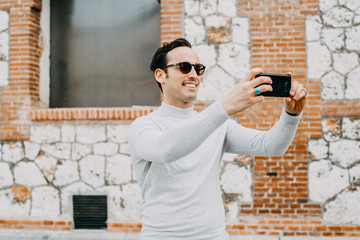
point(159, 59)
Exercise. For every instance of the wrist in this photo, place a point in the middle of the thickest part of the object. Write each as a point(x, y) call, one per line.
point(292, 114)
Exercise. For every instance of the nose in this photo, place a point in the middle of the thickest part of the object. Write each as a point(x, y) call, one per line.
point(193, 73)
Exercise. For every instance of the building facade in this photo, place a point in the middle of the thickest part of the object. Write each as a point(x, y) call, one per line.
point(48, 155)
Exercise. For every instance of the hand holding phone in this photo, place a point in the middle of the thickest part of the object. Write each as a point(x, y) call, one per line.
point(281, 85)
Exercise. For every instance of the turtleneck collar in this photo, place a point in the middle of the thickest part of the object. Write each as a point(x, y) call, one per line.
point(176, 111)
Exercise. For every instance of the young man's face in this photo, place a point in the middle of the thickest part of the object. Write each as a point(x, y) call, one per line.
point(180, 89)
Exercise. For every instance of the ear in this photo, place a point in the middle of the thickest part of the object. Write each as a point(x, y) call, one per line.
point(160, 76)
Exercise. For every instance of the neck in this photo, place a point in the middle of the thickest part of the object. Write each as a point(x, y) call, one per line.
point(179, 104)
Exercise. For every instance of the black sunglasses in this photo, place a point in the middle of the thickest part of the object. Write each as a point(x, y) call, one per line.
point(185, 67)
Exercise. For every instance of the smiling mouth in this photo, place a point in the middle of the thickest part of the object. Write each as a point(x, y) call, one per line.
point(191, 84)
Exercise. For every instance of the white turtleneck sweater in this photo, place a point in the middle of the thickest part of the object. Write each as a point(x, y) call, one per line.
point(176, 155)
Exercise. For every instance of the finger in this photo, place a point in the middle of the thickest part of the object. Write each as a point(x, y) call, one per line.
point(262, 88)
point(294, 86)
point(299, 92)
point(260, 80)
point(253, 72)
point(257, 99)
point(289, 73)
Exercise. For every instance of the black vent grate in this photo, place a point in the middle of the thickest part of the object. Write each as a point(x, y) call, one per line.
point(90, 212)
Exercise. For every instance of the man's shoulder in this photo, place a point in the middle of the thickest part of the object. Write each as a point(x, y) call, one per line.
point(144, 120)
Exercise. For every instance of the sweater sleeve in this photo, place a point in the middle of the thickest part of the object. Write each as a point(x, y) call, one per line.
point(150, 143)
point(273, 142)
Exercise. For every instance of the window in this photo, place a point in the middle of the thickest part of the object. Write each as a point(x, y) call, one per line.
point(101, 52)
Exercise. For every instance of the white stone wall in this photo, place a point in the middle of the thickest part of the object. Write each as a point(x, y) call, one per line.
point(333, 50)
point(222, 42)
point(39, 177)
point(4, 48)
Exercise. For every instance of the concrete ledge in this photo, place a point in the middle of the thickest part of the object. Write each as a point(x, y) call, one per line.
point(66, 235)
point(104, 235)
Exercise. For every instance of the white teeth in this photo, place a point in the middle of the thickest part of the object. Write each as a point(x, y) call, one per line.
point(190, 85)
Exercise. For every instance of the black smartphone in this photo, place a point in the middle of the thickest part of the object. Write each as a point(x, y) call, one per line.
point(281, 85)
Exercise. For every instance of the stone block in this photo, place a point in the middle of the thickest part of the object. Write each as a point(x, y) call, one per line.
point(351, 128)
point(31, 150)
point(127, 206)
point(237, 180)
point(191, 8)
point(355, 175)
point(4, 20)
point(21, 194)
point(345, 152)
point(318, 60)
point(344, 208)
point(67, 133)
point(66, 194)
point(332, 86)
point(28, 174)
point(12, 208)
point(115, 201)
point(211, 88)
point(232, 213)
point(6, 177)
point(331, 129)
point(45, 203)
point(352, 4)
point(117, 133)
point(79, 151)
point(45, 134)
point(207, 7)
point(47, 165)
point(194, 30)
point(58, 150)
point(4, 46)
point(352, 36)
point(338, 17)
point(106, 148)
point(207, 54)
point(344, 62)
point(66, 172)
point(12, 152)
point(124, 149)
point(218, 29)
point(234, 59)
point(241, 31)
point(118, 169)
point(334, 38)
point(318, 149)
point(90, 134)
point(92, 170)
point(229, 157)
point(325, 5)
point(357, 17)
point(313, 27)
point(4, 73)
point(326, 180)
point(227, 8)
point(352, 90)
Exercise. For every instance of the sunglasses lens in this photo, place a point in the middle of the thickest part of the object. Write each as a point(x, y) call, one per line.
point(199, 68)
point(185, 67)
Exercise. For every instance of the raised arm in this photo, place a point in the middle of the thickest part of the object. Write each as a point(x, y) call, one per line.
point(148, 142)
point(273, 142)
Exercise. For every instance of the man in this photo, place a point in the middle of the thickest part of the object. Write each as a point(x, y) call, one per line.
point(176, 151)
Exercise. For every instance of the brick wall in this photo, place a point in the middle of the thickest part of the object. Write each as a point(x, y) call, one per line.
point(277, 30)
point(279, 198)
point(22, 92)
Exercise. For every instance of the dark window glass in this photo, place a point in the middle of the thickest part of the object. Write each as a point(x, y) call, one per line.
point(101, 51)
